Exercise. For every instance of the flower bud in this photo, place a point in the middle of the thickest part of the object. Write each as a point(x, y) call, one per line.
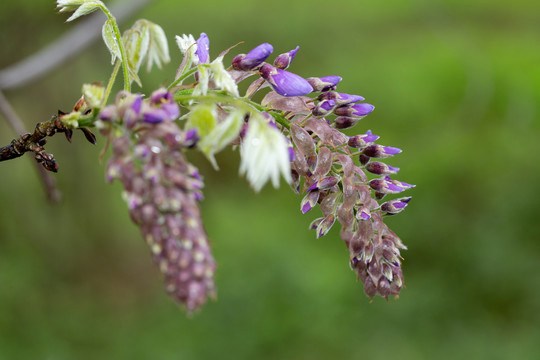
point(340, 98)
point(160, 96)
point(395, 206)
point(360, 141)
point(203, 48)
point(323, 108)
point(356, 110)
point(285, 83)
point(324, 183)
point(379, 151)
point(309, 201)
point(284, 60)
point(254, 58)
point(385, 186)
point(380, 168)
point(345, 122)
point(401, 184)
point(364, 159)
point(363, 213)
point(325, 83)
point(108, 113)
point(325, 225)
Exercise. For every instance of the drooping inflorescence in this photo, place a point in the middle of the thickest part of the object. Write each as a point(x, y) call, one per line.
point(331, 169)
point(162, 191)
point(294, 133)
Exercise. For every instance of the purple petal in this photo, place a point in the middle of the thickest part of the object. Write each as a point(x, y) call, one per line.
point(160, 95)
point(255, 57)
point(344, 99)
point(292, 156)
point(391, 150)
point(155, 116)
point(324, 83)
point(362, 109)
point(284, 60)
point(203, 48)
point(369, 137)
point(137, 104)
point(306, 207)
point(285, 83)
point(394, 188)
point(172, 110)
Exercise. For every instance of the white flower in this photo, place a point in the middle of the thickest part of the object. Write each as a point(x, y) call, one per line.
point(188, 46)
point(222, 78)
point(264, 154)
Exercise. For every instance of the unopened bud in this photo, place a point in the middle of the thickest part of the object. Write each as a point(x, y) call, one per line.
point(325, 83)
point(284, 60)
point(395, 206)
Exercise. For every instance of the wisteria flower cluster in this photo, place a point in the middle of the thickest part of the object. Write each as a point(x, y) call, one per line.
point(294, 133)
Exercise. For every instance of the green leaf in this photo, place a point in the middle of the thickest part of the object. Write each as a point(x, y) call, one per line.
point(136, 41)
point(222, 135)
point(85, 9)
point(159, 49)
point(203, 118)
point(109, 38)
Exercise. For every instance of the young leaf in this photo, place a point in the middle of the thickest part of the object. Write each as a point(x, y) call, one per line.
point(222, 135)
point(110, 40)
point(203, 118)
point(136, 42)
point(85, 9)
point(159, 50)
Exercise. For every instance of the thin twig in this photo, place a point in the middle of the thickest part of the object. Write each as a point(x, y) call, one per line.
point(47, 180)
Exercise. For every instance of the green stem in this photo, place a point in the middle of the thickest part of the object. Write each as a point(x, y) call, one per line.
point(118, 35)
point(111, 83)
point(182, 77)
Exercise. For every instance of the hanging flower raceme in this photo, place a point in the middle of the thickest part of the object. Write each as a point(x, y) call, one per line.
point(325, 163)
point(162, 191)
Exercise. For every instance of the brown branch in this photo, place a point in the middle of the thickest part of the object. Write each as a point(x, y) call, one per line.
point(48, 181)
point(34, 142)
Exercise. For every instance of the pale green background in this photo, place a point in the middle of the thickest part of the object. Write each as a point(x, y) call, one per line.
point(456, 84)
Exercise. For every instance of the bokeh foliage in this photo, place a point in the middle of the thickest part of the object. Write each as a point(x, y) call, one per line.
point(456, 84)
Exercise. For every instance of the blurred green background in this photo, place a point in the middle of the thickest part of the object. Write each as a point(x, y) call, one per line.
point(456, 84)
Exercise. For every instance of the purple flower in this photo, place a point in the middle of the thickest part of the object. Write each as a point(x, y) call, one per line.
point(324, 83)
point(379, 151)
point(363, 214)
point(380, 168)
point(361, 141)
point(340, 98)
point(325, 225)
point(323, 108)
point(284, 60)
point(160, 95)
point(285, 83)
point(395, 206)
point(253, 58)
point(345, 122)
point(203, 48)
point(309, 201)
point(385, 186)
point(324, 183)
point(401, 184)
point(358, 110)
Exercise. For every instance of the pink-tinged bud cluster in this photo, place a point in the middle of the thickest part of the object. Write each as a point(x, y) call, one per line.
point(162, 191)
